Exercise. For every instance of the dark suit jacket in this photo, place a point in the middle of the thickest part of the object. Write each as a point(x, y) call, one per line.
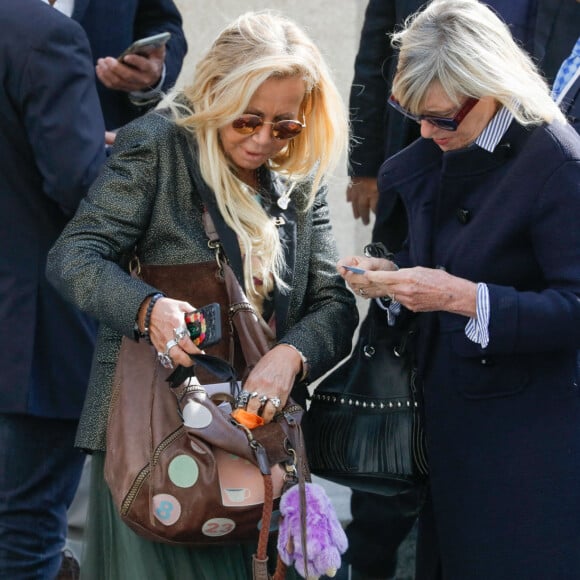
point(382, 130)
point(51, 147)
point(503, 423)
point(112, 25)
point(571, 104)
point(557, 28)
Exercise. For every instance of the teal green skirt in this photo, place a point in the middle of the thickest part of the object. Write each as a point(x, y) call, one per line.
point(114, 552)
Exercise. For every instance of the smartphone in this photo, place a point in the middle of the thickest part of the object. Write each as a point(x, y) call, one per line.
point(144, 46)
point(205, 325)
point(354, 269)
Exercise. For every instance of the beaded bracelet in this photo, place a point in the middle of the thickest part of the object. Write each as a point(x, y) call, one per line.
point(154, 298)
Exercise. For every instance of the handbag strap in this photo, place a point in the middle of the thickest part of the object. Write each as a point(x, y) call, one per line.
point(255, 343)
point(218, 367)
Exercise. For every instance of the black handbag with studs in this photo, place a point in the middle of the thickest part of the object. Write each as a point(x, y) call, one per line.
point(364, 426)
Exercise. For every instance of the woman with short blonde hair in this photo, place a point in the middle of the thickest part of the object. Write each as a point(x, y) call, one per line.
point(463, 46)
point(492, 265)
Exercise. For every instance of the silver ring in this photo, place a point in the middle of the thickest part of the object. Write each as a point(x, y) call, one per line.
point(180, 333)
point(393, 298)
point(263, 400)
point(276, 402)
point(164, 357)
point(362, 292)
point(242, 399)
point(254, 394)
point(165, 360)
point(169, 345)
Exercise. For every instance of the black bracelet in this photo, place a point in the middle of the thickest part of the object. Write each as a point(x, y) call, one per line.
point(154, 298)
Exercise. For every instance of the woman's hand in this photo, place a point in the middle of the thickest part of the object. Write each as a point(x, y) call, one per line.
point(356, 279)
point(419, 289)
point(425, 290)
point(167, 316)
point(272, 378)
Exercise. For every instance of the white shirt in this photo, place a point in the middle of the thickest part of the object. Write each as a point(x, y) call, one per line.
point(65, 6)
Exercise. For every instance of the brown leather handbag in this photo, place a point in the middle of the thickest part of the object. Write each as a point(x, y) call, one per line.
point(179, 468)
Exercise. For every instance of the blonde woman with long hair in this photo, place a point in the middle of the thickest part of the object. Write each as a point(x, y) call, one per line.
point(251, 140)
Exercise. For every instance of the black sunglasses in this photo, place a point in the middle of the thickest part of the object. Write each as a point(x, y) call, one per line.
point(285, 129)
point(446, 123)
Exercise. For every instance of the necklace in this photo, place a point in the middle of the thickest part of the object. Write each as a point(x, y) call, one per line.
point(284, 199)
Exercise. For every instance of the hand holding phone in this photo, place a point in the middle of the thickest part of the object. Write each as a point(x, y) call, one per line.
point(204, 325)
point(144, 46)
point(354, 269)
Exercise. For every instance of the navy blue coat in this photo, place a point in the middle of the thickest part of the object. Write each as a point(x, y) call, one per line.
point(112, 25)
point(51, 148)
point(503, 423)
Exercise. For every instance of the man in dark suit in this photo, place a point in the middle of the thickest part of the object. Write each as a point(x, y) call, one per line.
point(51, 147)
point(127, 89)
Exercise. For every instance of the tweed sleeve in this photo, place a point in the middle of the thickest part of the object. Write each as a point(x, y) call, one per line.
point(85, 263)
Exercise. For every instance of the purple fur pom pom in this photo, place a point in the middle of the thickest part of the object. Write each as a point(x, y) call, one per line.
point(325, 538)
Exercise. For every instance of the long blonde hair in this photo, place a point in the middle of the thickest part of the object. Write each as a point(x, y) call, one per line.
point(254, 48)
point(465, 47)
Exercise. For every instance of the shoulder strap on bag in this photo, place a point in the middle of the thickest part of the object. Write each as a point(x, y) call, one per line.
point(255, 341)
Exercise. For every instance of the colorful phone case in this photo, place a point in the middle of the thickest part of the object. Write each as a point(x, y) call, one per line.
point(204, 325)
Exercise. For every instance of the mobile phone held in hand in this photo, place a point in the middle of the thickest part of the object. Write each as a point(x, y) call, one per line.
point(144, 46)
point(204, 325)
point(354, 269)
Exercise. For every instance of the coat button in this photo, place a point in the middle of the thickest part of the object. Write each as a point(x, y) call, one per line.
point(486, 361)
point(463, 215)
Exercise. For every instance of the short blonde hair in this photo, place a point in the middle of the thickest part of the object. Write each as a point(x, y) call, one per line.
point(256, 47)
point(466, 48)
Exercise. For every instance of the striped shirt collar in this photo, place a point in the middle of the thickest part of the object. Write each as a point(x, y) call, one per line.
point(495, 130)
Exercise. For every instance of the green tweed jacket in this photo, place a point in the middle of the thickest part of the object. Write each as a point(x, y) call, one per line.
point(150, 194)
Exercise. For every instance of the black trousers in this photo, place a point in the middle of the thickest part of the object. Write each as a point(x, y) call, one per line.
point(379, 525)
point(39, 474)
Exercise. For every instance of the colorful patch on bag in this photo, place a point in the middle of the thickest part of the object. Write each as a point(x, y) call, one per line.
point(241, 482)
point(196, 415)
point(218, 527)
point(166, 508)
point(183, 471)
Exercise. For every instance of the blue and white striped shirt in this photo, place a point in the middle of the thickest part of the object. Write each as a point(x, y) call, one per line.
point(477, 329)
